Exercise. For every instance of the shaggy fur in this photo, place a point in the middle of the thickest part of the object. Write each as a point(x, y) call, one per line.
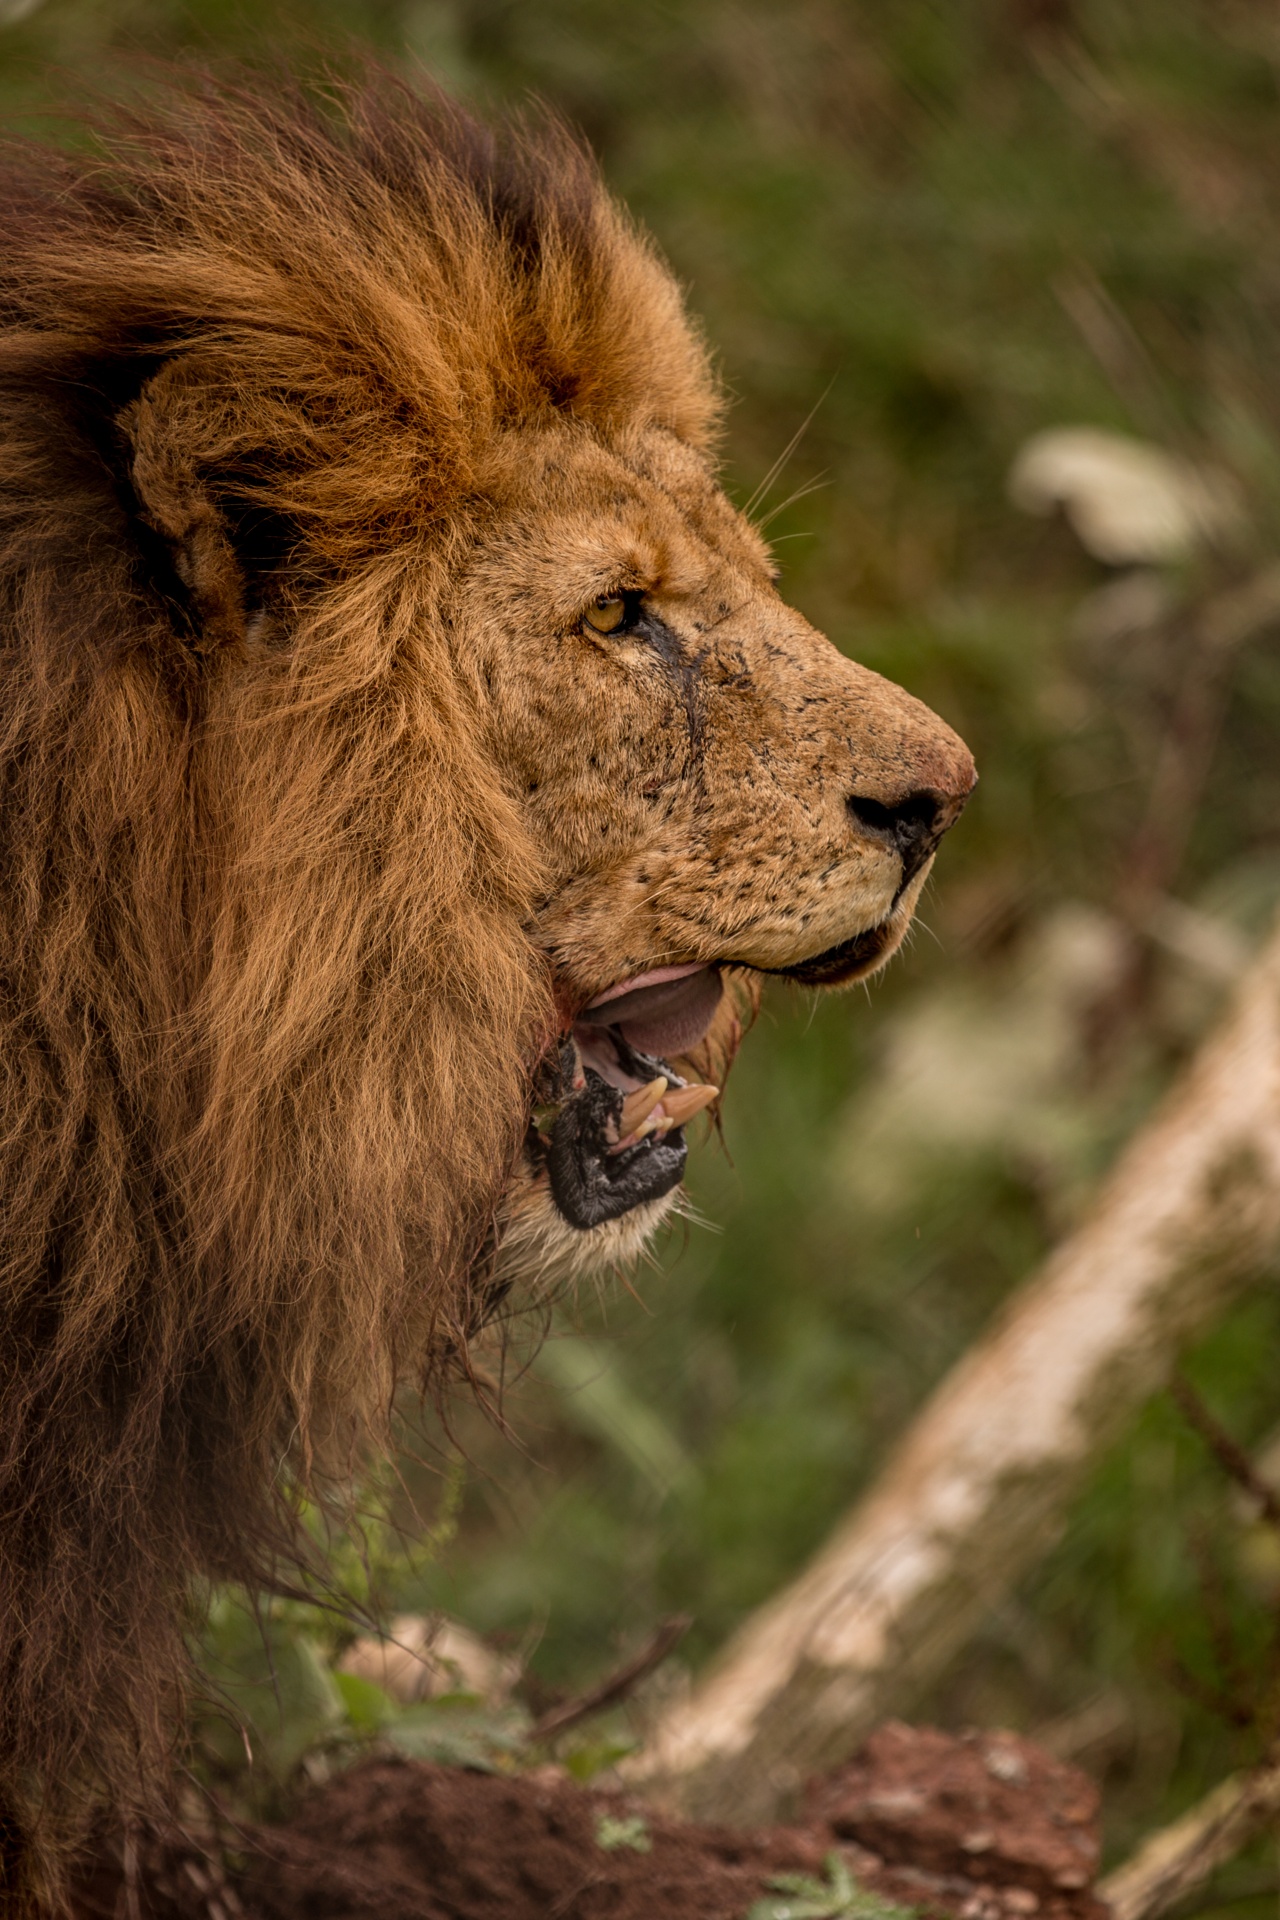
point(322, 420)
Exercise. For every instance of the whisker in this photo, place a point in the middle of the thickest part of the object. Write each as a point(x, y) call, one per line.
point(789, 449)
point(811, 486)
point(924, 927)
point(694, 1215)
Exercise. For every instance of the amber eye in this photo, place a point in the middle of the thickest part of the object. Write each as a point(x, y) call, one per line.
point(607, 614)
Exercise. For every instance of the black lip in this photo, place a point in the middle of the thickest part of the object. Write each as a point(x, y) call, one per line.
point(591, 1181)
point(840, 963)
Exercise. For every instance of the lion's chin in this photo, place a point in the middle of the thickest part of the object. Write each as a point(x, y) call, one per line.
point(540, 1248)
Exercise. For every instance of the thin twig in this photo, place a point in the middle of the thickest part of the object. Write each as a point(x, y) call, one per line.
point(1216, 630)
point(1238, 1695)
point(1220, 627)
point(617, 1686)
point(1120, 352)
point(1230, 1455)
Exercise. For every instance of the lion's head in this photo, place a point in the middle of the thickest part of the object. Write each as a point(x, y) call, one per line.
point(408, 765)
point(714, 793)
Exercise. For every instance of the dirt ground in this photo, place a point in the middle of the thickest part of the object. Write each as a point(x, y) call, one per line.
point(982, 1826)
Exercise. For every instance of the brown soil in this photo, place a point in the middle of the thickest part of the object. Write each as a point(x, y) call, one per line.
point(448, 1844)
point(980, 1826)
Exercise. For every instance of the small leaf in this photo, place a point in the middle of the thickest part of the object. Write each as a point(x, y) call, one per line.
point(273, 1698)
point(798, 1896)
point(612, 1833)
point(585, 1762)
point(367, 1707)
point(793, 1907)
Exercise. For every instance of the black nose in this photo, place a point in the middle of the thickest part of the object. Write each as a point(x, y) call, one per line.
point(912, 829)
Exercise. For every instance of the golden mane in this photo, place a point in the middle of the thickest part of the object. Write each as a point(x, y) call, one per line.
point(267, 1000)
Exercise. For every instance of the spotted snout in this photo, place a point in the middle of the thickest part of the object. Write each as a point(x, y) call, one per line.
point(907, 777)
point(909, 774)
point(911, 827)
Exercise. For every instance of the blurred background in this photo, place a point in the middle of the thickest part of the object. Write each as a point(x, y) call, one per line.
point(920, 235)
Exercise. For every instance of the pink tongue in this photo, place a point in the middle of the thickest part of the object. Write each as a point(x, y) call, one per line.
point(664, 1019)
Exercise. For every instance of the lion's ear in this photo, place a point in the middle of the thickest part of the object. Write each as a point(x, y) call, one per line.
point(161, 430)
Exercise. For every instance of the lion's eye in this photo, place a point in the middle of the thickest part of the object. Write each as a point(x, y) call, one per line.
point(607, 614)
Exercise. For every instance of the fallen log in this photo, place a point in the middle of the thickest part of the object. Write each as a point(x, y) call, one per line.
point(979, 1486)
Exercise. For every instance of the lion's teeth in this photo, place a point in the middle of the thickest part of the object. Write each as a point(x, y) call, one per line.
point(654, 1110)
point(654, 1124)
point(637, 1106)
point(682, 1103)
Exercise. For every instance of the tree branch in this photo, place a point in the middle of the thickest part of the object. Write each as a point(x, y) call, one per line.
point(977, 1489)
point(1230, 1455)
point(618, 1685)
point(1178, 1859)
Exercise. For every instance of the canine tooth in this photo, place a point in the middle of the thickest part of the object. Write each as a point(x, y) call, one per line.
point(682, 1103)
point(654, 1124)
point(639, 1105)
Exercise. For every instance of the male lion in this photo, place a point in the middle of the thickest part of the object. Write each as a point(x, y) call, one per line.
point(401, 743)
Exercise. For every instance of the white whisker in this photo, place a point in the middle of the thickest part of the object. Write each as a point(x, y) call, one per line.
point(782, 459)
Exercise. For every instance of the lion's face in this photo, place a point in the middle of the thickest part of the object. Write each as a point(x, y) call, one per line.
point(710, 784)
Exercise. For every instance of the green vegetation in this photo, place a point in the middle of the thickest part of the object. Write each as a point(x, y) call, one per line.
point(931, 231)
point(632, 1833)
point(801, 1897)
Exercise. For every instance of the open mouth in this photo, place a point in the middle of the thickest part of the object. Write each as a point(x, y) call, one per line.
point(611, 1108)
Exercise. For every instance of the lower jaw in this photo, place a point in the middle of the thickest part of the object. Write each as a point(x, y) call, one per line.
point(598, 1172)
point(839, 965)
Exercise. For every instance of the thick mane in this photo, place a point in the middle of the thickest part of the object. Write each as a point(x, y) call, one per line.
point(267, 1007)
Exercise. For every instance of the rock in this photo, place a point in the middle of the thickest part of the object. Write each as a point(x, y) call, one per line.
point(426, 1655)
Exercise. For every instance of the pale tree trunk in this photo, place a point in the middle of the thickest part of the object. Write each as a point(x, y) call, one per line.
point(979, 1487)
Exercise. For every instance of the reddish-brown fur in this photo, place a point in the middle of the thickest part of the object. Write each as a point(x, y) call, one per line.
point(320, 421)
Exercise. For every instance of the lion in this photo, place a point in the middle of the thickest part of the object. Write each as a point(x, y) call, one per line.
point(408, 767)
